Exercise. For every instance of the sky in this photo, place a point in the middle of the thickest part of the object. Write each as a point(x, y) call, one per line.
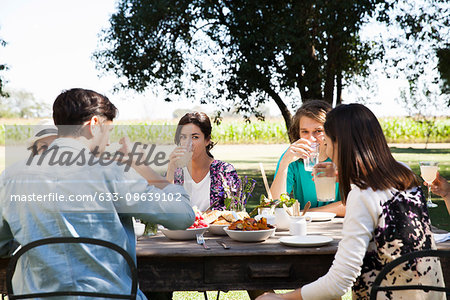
point(49, 49)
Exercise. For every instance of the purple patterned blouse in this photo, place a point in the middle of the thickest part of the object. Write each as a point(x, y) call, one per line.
point(217, 192)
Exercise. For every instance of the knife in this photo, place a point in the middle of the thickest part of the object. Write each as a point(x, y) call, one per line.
point(222, 243)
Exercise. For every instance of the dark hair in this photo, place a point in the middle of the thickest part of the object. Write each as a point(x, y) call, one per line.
point(202, 121)
point(76, 106)
point(314, 109)
point(364, 158)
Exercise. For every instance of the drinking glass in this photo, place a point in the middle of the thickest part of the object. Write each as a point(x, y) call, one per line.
point(313, 158)
point(184, 160)
point(325, 181)
point(428, 170)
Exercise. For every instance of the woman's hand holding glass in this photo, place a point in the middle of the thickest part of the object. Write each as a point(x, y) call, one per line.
point(181, 156)
point(176, 155)
point(440, 186)
point(301, 148)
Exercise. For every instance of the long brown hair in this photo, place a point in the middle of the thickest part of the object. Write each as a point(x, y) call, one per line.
point(364, 158)
point(314, 109)
point(202, 121)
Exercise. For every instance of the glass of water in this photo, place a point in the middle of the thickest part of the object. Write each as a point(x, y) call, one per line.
point(313, 158)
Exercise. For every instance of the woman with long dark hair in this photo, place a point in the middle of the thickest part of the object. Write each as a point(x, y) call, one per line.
point(203, 176)
point(386, 214)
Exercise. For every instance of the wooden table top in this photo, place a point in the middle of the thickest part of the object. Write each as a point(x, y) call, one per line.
point(160, 246)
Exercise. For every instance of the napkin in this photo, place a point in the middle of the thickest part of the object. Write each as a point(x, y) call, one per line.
point(441, 237)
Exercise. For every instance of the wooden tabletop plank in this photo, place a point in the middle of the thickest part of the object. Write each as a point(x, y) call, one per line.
point(161, 246)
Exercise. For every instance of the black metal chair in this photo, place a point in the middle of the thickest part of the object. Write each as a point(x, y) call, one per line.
point(71, 240)
point(388, 268)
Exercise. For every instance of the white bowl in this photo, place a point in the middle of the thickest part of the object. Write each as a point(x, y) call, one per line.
point(180, 235)
point(139, 229)
point(249, 236)
point(218, 229)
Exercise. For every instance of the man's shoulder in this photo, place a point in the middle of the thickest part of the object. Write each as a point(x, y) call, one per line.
point(18, 168)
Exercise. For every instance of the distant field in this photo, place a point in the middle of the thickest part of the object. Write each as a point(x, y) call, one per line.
point(271, 131)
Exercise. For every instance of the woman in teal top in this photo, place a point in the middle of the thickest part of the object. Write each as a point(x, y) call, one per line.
point(299, 181)
point(290, 175)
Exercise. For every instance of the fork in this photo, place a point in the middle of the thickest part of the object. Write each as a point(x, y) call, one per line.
point(201, 241)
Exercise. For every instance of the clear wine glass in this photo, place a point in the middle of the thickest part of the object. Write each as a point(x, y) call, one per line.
point(428, 170)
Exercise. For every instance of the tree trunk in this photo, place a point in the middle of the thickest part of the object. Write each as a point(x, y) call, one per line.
point(301, 87)
point(312, 79)
point(287, 116)
point(328, 91)
point(339, 87)
point(331, 71)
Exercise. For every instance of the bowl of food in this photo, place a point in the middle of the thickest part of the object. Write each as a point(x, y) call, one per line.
point(249, 236)
point(182, 235)
point(218, 229)
point(250, 230)
point(218, 220)
point(199, 227)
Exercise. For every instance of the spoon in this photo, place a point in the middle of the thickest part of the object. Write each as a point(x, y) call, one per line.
point(287, 210)
point(307, 206)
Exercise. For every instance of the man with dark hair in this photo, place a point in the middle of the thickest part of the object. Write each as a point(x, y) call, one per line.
point(77, 106)
point(76, 198)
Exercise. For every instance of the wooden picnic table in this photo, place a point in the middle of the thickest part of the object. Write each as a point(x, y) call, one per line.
point(166, 265)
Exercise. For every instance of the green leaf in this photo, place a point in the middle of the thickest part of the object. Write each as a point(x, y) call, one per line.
point(227, 202)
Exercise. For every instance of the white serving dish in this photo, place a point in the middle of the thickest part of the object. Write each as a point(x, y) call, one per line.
point(181, 235)
point(249, 236)
point(318, 216)
point(306, 240)
point(217, 229)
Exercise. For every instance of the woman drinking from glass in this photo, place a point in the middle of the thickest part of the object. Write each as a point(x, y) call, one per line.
point(292, 173)
point(386, 215)
point(201, 174)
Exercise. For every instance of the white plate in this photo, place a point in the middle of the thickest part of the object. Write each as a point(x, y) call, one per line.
point(180, 235)
point(305, 240)
point(217, 229)
point(249, 236)
point(320, 216)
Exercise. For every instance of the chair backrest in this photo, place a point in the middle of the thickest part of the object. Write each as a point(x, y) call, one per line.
point(71, 240)
point(388, 268)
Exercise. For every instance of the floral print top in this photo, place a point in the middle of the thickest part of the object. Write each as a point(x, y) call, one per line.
point(217, 191)
point(403, 227)
point(380, 226)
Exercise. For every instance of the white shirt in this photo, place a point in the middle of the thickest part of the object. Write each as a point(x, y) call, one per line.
point(198, 192)
point(362, 217)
